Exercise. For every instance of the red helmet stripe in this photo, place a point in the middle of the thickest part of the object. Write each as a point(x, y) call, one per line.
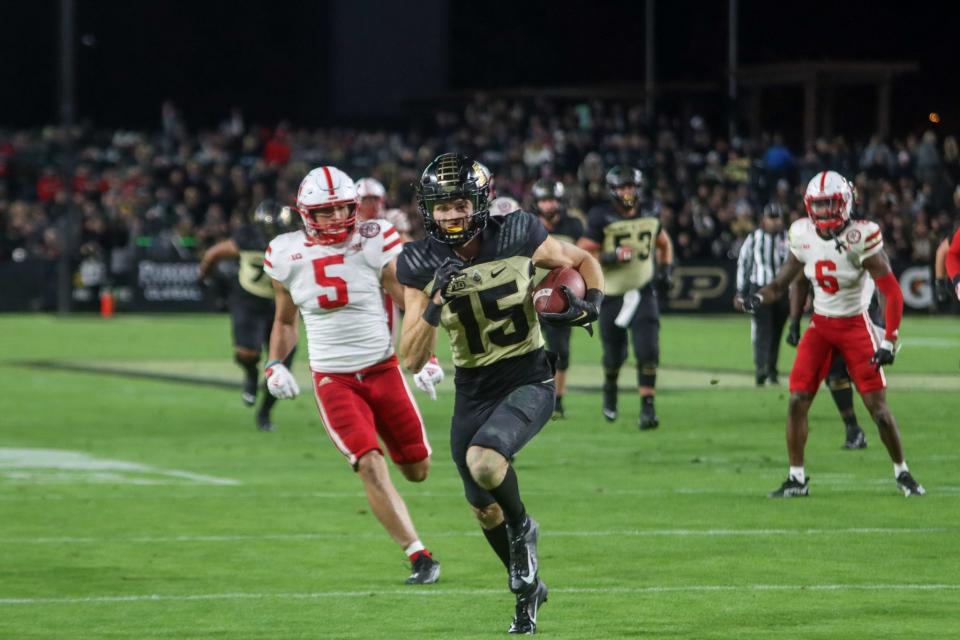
point(326, 172)
point(823, 181)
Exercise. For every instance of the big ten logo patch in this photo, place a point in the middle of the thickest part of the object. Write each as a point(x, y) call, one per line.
point(458, 283)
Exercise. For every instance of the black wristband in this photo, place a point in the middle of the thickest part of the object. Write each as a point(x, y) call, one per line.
point(594, 297)
point(610, 257)
point(431, 315)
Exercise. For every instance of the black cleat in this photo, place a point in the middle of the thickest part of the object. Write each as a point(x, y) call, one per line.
point(909, 486)
point(856, 439)
point(761, 379)
point(524, 564)
point(648, 418)
point(425, 570)
point(773, 379)
point(249, 393)
point(264, 423)
point(525, 619)
point(558, 413)
point(792, 488)
point(609, 402)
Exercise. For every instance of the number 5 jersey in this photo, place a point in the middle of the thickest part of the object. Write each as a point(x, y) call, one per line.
point(337, 288)
point(842, 287)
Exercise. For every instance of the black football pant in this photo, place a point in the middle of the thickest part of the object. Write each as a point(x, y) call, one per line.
point(644, 330)
point(766, 331)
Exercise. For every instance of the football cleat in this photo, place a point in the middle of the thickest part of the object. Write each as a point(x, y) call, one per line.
point(909, 486)
point(856, 439)
point(264, 423)
point(525, 618)
point(792, 488)
point(524, 565)
point(609, 402)
point(249, 393)
point(425, 570)
point(558, 412)
point(648, 418)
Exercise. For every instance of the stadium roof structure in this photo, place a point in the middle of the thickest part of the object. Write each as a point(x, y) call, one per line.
point(819, 79)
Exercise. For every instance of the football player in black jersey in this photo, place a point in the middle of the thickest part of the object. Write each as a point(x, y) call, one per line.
point(637, 258)
point(473, 274)
point(548, 201)
point(251, 297)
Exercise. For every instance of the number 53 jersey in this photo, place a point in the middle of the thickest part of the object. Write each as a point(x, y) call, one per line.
point(841, 286)
point(610, 230)
point(337, 288)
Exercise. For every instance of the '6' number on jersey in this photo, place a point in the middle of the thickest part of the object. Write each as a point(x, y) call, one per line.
point(827, 282)
point(339, 284)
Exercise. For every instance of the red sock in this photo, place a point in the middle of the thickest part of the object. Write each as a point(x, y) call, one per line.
point(416, 554)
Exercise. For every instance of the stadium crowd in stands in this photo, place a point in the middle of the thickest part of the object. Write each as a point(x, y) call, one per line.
point(174, 192)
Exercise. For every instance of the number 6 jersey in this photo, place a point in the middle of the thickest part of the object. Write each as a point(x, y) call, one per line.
point(337, 288)
point(841, 286)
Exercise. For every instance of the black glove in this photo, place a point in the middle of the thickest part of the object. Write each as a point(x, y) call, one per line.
point(884, 355)
point(944, 291)
point(441, 280)
point(664, 280)
point(793, 333)
point(443, 275)
point(580, 313)
point(752, 302)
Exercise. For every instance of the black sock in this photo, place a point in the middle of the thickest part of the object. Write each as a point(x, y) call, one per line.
point(249, 368)
point(610, 378)
point(850, 421)
point(558, 403)
point(646, 401)
point(508, 497)
point(843, 398)
point(497, 539)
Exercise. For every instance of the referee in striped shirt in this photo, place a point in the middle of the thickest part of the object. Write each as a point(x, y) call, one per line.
point(761, 256)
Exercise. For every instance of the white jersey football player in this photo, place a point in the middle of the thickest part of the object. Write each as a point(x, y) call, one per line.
point(371, 201)
point(837, 254)
point(335, 271)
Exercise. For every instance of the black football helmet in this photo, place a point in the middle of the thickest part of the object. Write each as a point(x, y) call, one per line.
point(451, 176)
point(623, 175)
point(271, 219)
point(545, 189)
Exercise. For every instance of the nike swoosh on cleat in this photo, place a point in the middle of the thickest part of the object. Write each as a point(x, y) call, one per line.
point(531, 572)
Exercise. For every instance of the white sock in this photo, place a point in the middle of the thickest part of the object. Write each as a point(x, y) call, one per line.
point(899, 468)
point(797, 474)
point(415, 546)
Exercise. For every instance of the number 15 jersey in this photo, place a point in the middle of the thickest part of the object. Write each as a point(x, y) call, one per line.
point(841, 286)
point(337, 288)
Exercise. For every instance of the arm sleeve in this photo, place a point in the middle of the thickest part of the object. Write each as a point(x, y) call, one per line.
point(890, 289)
point(745, 265)
point(953, 258)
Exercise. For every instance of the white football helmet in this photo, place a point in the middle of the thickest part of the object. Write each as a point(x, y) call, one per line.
point(324, 188)
point(829, 200)
point(370, 198)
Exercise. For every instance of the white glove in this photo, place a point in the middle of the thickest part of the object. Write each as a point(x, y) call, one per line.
point(428, 377)
point(280, 382)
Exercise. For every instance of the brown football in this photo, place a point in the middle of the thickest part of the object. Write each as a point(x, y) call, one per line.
point(548, 298)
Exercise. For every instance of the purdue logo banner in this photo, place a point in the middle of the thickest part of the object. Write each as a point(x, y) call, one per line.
point(702, 286)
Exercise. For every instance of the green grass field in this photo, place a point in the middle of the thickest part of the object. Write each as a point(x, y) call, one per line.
point(133, 507)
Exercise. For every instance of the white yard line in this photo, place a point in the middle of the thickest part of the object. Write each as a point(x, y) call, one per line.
point(611, 533)
point(434, 592)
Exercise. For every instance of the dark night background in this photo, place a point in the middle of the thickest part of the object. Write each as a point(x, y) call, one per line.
point(334, 61)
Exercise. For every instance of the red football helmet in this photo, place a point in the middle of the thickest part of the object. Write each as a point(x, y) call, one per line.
point(321, 192)
point(829, 200)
